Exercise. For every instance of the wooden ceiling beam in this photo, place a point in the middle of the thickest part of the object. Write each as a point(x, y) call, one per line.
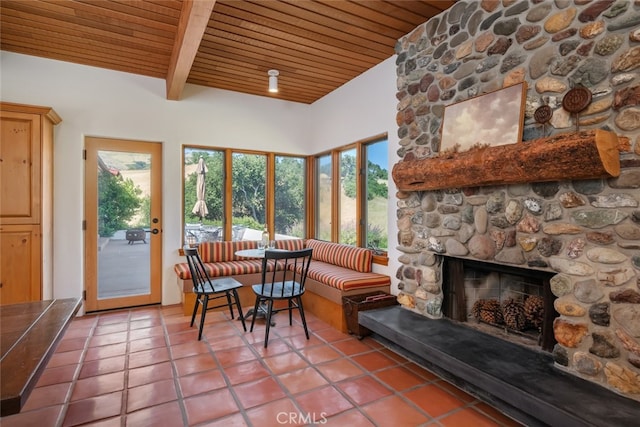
point(193, 22)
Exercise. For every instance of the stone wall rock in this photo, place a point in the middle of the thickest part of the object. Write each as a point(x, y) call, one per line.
point(587, 232)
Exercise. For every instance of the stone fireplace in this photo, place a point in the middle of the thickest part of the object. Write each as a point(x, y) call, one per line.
point(582, 235)
point(512, 303)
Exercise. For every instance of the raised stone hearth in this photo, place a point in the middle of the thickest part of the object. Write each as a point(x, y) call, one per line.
point(584, 232)
point(521, 382)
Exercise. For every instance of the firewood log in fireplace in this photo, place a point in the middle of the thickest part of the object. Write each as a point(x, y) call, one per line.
point(577, 155)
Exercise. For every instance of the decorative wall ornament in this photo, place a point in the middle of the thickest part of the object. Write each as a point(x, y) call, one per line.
point(495, 118)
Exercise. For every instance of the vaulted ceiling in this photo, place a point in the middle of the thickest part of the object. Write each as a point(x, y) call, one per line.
point(316, 45)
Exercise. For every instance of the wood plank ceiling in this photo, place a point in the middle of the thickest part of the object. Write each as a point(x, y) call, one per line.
point(317, 45)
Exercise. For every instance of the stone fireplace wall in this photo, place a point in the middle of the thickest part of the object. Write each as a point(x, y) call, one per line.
point(587, 232)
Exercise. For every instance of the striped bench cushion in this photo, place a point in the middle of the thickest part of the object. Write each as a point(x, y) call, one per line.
point(290, 244)
point(344, 279)
point(221, 269)
point(224, 251)
point(351, 257)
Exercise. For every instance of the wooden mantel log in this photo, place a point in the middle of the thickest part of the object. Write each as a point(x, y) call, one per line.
point(578, 155)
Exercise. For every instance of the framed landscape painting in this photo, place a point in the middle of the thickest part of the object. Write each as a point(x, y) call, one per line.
point(495, 118)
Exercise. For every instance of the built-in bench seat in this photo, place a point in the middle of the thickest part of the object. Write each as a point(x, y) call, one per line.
point(336, 270)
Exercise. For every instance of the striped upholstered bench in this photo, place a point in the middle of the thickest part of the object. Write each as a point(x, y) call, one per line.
point(336, 270)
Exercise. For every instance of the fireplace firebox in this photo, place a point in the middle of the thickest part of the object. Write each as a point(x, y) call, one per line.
point(512, 303)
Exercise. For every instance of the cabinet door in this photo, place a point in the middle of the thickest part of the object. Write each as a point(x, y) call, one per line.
point(19, 264)
point(20, 187)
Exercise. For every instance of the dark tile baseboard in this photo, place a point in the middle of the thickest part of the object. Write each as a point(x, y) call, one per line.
point(521, 382)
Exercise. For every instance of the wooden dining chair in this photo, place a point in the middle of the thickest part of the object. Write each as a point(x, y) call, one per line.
point(283, 283)
point(207, 289)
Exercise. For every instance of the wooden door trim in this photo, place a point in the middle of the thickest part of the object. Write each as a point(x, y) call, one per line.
point(94, 144)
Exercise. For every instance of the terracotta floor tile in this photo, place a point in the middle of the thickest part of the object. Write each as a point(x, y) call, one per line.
point(145, 323)
point(313, 382)
point(460, 394)
point(98, 385)
point(222, 343)
point(340, 369)
point(148, 374)
point(393, 355)
point(300, 341)
point(210, 406)
point(496, 415)
point(276, 346)
point(423, 372)
point(66, 358)
point(467, 417)
point(45, 396)
point(148, 357)
point(71, 344)
point(150, 395)
point(244, 372)
point(258, 392)
point(193, 364)
point(77, 332)
point(319, 354)
point(93, 409)
point(374, 361)
point(399, 378)
point(110, 329)
point(147, 344)
point(285, 362)
point(302, 380)
point(187, 336)
point(107, 339)
point(60, 374)
point(180, 325)
point(115, 317)
point(331, 335)
point(393, 412)
point(105, 351)
point(233, 356)
point(202, 382)
point(323, 402)
point(109, 422)
point(434, 400)
point(187, 349)
point(351, 347)
point(49, 416)
point(282, 412)
point(352, 418)
point(154, 331)
point(364, 389)
point(282, 328)
point(235, 420)
point(102, 366)
point(167, 414)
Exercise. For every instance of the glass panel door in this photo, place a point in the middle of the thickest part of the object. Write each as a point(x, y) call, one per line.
point(123, 232)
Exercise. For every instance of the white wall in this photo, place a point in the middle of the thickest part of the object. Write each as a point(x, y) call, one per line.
point(98, 102)
point(364, 107)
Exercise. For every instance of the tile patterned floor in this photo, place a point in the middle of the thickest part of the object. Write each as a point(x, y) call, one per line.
point(145, 367)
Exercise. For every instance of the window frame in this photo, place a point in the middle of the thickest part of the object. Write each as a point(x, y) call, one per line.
point(228, 153)
point(361, 200)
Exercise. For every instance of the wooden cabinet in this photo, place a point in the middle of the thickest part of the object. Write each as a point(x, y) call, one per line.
point(26, 201)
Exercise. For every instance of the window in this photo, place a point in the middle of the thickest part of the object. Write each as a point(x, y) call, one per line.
point(228, 193)
point(290, 184)
point(248, 181)
point(203, 194)
point(348, 197)
point(357, 197)
point(323, 202)
point(376, 189)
